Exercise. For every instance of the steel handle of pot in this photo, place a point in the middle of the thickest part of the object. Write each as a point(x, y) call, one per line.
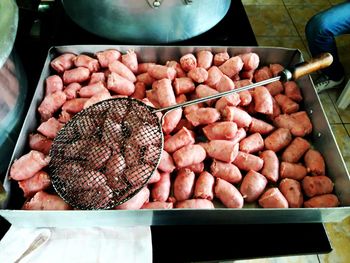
point(157, 3)
point(154, 3)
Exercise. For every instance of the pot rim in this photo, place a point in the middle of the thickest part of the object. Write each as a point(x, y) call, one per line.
point(8, 28)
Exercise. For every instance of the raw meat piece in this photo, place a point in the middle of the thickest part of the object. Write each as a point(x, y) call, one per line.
point(91, 90)
point(195, 204)
point(79, 75)
point(222, 150)
point(130, 60)
point(166, 163)
point(220, 58)
point(204, 59)
point(162, 72)
point(227, 171)
point(50, 128)
point(294, 171)
point(228, 194)
point(188, 155)
point(327, 200)
point(271, 165)
point(45, 201)
point(225, 130)
point(262, 100)
point(40, 143)
point(182, 138)
point(295, 150)
point(122, 70)
point(87, 62)
point(291, 190)
point(28, 165)
point(273, 198)
point(203, 116)
point(63, 62)
point(250, 60)
point(161, 189)
point(50, 104)
point(108, 56)
point(183, 85)
point(278, 140)
point(314, 162)
point(232, 66)
point(252, 186)
point(53, 83)
point(188, 62)
point(137, 201)
point(204, 186)
point(164, 92)
point(184, 184)
point(251, 144)
point(317, 185)
point(157, 205)
point(120, 85)
point(38, 182)
point(246, 162)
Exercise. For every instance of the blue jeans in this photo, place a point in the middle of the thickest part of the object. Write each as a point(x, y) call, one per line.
point(321, 30)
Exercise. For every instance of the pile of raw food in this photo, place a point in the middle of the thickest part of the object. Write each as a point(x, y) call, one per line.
point(246, 148)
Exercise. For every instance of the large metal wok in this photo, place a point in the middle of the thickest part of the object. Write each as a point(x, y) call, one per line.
point(13, 84)
point(146, 21)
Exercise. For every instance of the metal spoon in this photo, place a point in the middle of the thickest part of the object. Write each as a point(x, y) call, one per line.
point(41, 239)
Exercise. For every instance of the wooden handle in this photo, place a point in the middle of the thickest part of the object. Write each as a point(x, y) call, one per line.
point(319, 62)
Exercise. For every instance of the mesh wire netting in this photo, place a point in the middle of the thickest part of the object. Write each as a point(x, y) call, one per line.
point(106, 153)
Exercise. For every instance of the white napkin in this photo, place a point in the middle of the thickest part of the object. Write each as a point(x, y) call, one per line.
point(95, 244)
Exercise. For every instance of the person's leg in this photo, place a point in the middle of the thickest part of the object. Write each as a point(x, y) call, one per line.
point(321, 30)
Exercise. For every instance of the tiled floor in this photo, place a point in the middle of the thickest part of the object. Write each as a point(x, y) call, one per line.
point(281, 23)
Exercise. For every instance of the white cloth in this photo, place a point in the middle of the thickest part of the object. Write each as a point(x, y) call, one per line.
point(91, 244)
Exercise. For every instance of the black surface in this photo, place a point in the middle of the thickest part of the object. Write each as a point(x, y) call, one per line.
point(233, 242)
point(174, 243)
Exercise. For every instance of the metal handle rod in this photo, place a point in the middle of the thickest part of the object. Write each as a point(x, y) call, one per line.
point(218, 95)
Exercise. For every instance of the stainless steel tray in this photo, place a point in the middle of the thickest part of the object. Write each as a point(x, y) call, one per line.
point(322, 138)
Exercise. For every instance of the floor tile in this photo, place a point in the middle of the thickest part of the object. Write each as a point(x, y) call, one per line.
point(347, 127)
point(262, 2)
point(329, 108)
point(343, 114)
point(343, 44)
point(301, 14)
point(303, 2)
point(339, 234)
point(303, 38)
point(333, 94)
point(287, 42)
point(335, 2)
point(347, 163)
point(270, 20)
point(343, 139)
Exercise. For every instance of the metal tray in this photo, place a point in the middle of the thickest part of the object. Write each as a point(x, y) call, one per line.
point(322, 138)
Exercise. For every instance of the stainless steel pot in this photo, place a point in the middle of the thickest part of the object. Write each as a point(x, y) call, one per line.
point(147, 21)
point(13, 84)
